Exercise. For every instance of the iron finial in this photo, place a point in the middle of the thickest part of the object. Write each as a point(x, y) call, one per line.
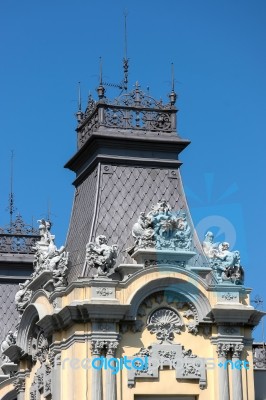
point(79, 97)
point(101, 71)
point(125, 27)
point(173, 77)
point(100, 88)
point(125, 59)
point(79, 114)
point(11, 206)
point(172, 95)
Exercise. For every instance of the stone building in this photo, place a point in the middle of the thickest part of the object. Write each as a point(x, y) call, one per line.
point(133, 307)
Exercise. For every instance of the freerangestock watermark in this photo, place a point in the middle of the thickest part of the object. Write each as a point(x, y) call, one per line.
point(142, 364)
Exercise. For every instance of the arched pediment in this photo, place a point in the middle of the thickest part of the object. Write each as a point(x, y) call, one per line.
point(32, 314)
point(182, 288)
point(40, 296)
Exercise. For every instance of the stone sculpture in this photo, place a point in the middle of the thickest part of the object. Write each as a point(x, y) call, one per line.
point(100, 256)
point(48, 257)
point(7, 342)
point(23, 297)
point(225, 263)
point(44, 228)
point(209, 247)
point(161, 228)
point(60, 271)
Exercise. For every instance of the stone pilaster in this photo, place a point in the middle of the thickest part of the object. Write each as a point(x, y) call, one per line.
point(19, 384)
point(96, 349)
point(237, 371)
point(55, 361)
point(223, 382)
point(111, 375)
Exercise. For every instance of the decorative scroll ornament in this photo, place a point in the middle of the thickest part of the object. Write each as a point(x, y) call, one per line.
point(164, 322)
point(103, 291)
point(162, 228)
point(225, 263)
point(48, 257)
point(100, 257)
point(186, 365)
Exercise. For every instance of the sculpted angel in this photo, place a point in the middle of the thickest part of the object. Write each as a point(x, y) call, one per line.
point(100, 256)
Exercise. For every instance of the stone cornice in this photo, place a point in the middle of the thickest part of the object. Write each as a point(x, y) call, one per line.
point(236, 314)
point(130, 146)
point(82, 312)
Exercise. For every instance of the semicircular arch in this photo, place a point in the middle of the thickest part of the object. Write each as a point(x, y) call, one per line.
point(32, 314)
point(182, 288)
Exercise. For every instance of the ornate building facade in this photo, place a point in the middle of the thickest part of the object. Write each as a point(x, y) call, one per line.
point(133, 306)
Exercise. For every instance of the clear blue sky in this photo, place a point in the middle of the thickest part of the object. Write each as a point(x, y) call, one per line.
point(218, 48)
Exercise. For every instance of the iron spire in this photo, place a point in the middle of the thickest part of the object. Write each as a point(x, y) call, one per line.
point(11, 206)
point(125, 59)
point(100, 88)
point(172, 95)
point(79, 114)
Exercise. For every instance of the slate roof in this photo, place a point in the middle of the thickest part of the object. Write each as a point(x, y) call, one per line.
point(8, 314)
point(113, 206)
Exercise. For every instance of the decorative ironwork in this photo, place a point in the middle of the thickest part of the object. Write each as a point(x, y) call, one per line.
point(133, 110)
point(18, 237)
point(85, 132)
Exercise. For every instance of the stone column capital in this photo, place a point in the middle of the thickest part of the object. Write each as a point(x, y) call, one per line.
point(111, 347)
point(97, 346)
point(237, 349)
point(223, 349)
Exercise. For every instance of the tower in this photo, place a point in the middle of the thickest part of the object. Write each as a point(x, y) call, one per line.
point(133, 298)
